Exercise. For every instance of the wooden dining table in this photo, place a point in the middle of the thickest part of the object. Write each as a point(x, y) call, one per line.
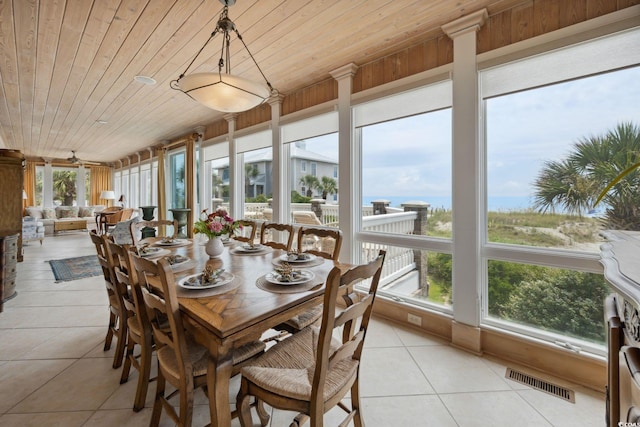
point(240, 311)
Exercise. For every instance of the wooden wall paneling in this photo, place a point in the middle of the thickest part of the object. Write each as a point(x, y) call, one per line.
point(597, 8)
point(395, 66)
point(572, 12)
point(445, 50)
point(257, 115)
point(546, 16)
point(522, 22)
point(217, 128)
point(417, 58)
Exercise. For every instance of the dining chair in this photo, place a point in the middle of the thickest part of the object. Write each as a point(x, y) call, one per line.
point(181, 361)
point(138, 324)
point(330, 241)
point(286, 232)
point(321, 241)
point(312, 371)
point(110, 221)
point(117, 311)
point(159, 225)
point(244, 235)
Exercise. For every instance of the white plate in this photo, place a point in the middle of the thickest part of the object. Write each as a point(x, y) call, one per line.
point(223, 279)
point(304, 277)
point(155, 252)
point(293, 259)
point(175, 242)
point(249, 248)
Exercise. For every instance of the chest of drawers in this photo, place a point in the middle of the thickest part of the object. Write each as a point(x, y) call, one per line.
point(8, 266)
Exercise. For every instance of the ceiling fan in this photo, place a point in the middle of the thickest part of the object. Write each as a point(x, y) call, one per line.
point(74, 160)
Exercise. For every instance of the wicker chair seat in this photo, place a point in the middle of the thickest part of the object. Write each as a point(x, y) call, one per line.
point(288, 367)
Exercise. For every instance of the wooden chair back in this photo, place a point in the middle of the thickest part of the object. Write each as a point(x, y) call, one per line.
point(177, 360)
point(332, 365)
point(159, 225)
point(248, 231)
point(158, 288)
point(115, 293)
point(286, 232)
point(127, 278)
point(324, 242)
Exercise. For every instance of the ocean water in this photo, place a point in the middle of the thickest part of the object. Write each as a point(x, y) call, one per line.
point(495, 204)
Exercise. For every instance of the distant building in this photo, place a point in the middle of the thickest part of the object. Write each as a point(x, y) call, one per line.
point(303, 162)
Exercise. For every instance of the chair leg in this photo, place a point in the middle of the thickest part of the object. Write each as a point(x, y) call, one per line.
point(355, 404)
point(121, 345)
point(143, 377)
point(186, 407)
point(262, 413)
point(126, 368)
point(243, 406)
point(112, 325)
point(157, 403)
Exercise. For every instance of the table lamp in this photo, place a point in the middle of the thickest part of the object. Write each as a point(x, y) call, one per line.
point(107, 195)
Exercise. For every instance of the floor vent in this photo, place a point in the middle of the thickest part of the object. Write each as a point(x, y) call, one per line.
point(542, 385)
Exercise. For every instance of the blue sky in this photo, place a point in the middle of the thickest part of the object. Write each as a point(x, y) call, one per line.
point(525, 129)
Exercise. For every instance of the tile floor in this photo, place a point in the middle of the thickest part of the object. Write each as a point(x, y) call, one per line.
point(53, 371)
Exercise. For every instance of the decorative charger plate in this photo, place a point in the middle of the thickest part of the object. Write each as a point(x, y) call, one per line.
point(170, 242)
point(297, 258)
point(298, 277)
point(194, 281)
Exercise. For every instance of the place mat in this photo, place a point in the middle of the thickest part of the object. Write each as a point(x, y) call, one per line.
point(200, 293)
point(265, 285)
point(312, 263)
point(237, 251)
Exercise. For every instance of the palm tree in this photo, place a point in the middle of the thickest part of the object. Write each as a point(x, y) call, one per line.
point(310, 182)
point(250, 172)
point(575, 182)
point(327, 186)
point(64, 185)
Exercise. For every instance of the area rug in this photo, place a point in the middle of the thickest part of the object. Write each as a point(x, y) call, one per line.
point(76, 268)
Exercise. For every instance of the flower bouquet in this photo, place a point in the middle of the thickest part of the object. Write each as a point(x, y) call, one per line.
point(215, 224)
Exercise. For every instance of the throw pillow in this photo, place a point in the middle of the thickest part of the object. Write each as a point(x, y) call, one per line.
point(86, 211)
point(48, 213)
point(34, 212)
point(67, 212)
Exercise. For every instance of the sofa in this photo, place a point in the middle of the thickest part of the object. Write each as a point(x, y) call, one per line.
point(65, 218)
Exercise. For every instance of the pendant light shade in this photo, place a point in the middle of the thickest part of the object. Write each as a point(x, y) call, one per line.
point(224, 92)
point(221, 90)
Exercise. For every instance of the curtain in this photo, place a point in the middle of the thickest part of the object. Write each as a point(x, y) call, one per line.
point(101, 180)
point(190, 179)
point(30, 183)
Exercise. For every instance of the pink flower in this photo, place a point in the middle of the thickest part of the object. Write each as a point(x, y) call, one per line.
point(216, 227)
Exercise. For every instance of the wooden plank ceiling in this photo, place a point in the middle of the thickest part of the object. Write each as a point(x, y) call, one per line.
point(68, 65)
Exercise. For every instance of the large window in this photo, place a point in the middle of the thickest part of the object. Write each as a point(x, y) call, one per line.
point(407, 192)
point(177, 180)
point(558, 128)
point(316, 182)
point(65, 187)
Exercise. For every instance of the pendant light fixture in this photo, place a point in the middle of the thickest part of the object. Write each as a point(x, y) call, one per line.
point(221, 90)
